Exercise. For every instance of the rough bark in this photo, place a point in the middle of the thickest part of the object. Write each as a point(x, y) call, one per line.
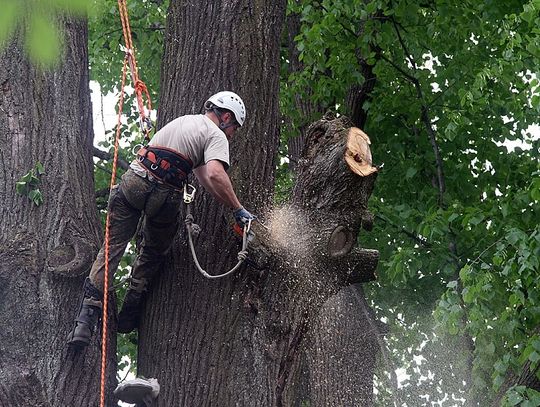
point(196, 335)
point(46, 250)
point(256, 339)
point(345, 347)
point(241, 341)
point(341, 342)
point(357, 96)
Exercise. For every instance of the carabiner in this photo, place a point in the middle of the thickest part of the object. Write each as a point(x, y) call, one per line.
point(247, 226)
point(189, 196)
point(136, 149)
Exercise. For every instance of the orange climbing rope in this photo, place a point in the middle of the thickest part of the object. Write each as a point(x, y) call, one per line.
point(140, 89)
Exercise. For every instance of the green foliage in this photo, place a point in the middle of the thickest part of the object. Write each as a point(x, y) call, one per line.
point(521, 396)
point(106, 55)
point(459, 265)
point(28, 184)
point(39, 23)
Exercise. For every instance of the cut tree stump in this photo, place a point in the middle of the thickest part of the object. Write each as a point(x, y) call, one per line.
point(310, 249)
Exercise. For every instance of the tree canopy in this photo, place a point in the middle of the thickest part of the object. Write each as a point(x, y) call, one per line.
point(450, 119)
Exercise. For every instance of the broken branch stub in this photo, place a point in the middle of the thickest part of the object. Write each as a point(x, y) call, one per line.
point(334, 182)
point(320, 227)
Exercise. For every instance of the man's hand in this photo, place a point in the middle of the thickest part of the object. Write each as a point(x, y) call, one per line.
point(242, 216)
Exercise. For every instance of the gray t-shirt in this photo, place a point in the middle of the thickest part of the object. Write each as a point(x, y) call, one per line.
point(195, 136)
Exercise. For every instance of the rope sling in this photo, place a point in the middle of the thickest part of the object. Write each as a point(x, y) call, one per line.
point(140, 89)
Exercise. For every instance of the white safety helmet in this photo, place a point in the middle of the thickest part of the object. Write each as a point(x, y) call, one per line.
point(230, 101)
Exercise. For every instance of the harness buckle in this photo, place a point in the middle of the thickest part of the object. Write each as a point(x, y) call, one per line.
point(189, 196)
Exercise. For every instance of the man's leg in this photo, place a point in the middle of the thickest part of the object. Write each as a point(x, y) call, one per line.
point(123, 219)
point(158, 231)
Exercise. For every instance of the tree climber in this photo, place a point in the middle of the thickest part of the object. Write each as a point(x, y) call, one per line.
point(152, 187)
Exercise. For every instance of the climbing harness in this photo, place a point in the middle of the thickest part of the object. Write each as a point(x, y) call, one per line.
point(247, 235)
point(165, 164)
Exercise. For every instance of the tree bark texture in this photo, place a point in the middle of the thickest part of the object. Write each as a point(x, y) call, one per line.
point(197, 336)
point(345, 345)
point(301, 297)
point(46, 251)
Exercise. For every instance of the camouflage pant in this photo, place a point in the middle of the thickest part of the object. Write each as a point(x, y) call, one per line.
point(159, 206)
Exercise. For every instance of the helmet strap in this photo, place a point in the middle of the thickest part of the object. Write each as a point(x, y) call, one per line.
point(222, 124)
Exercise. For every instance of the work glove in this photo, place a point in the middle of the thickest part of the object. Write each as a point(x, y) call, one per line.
point(242, 216)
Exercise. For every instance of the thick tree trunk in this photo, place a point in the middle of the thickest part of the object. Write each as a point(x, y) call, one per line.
point(197, 336)
point(341, 343)
point(46, 250)
point(344, 350)
point(330, 391)
point(241, 341)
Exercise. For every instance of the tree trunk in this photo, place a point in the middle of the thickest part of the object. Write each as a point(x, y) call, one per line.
point(242, 340)
point(197, 337)
point(344, 348)
point(46, 250)
point(325, 389)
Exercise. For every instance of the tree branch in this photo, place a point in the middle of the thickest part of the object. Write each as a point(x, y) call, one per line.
point(104, 155)
point(424, 115)
point(423, 242)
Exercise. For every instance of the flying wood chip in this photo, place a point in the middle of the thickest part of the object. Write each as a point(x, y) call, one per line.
point(358, 154)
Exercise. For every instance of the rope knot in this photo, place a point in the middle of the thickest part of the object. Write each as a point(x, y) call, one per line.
point(140, 87)
point(189, 219)
point(242, 255)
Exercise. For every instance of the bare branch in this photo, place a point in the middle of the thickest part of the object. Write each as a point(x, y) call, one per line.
point(420, 240)
point(104, 155)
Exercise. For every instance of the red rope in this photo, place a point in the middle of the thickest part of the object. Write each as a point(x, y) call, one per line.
point(140, 89)
point(138, 84)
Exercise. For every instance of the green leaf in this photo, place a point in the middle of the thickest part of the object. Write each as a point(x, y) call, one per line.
point(411, 172)
point(514, 398)
point(21, 188)
point(534, 357)
point(39, 168)
point(452, 284)
point(36, 197)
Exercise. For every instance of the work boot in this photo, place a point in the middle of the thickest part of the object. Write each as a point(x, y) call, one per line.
point(89, 313)
point(130, 314)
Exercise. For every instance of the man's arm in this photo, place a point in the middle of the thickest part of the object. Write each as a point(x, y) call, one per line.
point(215, 180)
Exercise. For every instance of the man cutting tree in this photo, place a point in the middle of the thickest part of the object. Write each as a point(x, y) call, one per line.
point(152, 188)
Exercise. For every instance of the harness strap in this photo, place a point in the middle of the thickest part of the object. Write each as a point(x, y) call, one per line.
point(165, 164)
